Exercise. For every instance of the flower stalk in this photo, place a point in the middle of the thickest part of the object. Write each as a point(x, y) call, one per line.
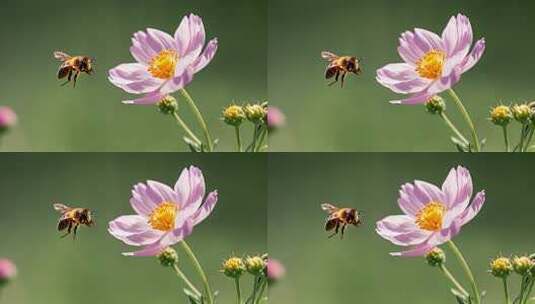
point(200, 271)
point(506, 291)
point(183, 277)
point(238, 291)
point(467, 270)
point(467, 118)
point(200, 119)
point(452, 279)
point(186, 129)
point(505, 138)
point(238, 138)
point(450, 124)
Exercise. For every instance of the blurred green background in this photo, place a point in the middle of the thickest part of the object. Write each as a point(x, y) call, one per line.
point(91, 116)
point(359, 117)
point(359, 269)
point(92, 269)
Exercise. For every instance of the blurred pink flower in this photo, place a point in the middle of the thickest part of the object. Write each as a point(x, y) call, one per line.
point(8, 117)
point(275, 270)
point(432, 216)
point(165, 216)
point(165, 64)
point(8, 270)
point(433, 64)
point(275, 118)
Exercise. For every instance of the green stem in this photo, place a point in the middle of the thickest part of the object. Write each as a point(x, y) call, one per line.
point(530, 137)
point(452, 279)
point(506, 138)
point(238, 291)
point(261, 138)
point(522, 137)
point(255, 287)
point(467, 270)
point(199, 270)
point(199, 117)
point(255, 136)
point(467, 118)
point(530, 288)
point(506, 291)
point(238, 138)
point(452, 127)
point(261, 293)
point(184, 126)
point(186, 280)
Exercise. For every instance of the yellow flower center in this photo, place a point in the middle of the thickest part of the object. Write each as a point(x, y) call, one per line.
point(431, 64)
point(163, 65)
point(163, 217)
point(431, 216)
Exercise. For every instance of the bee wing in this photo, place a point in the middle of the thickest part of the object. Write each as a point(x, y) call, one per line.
point(61, 56)
point(328, 55)
point(331, 222)
point(61, 207)
point(63, 222)
point(328, 207)
point(331, 70)
point(64, 70)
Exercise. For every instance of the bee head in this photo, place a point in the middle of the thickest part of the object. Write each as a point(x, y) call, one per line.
point(88, 64)
point(86, 217)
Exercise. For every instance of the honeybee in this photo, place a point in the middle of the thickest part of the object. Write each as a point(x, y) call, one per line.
point(71, 218)
point(73, 65)
point(340, 217)
point(340, 65)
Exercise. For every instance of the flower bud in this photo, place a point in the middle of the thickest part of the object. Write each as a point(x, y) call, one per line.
point(168, 105)
point(233, 115)
point(435, 105)
point(275, 270)
point(168, 257)
point(8, 118)
point(521, 113)
point(501, 115)
point(435, 257)
point(501, 267)
point(255, 265)
point(8, 271)
point(233, 267)
point(522, 265)
point(256, 113)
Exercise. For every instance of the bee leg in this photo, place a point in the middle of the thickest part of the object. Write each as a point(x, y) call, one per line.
point(68, 230)
point(335, 79)
point(74, 234)
point(75, 78)
point(342, 82)
point(342, 232)
point(68, 78)
point(335, 230)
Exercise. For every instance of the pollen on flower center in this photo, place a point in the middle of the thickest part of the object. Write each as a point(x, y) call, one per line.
point(431, 64)
point(431, 216)
point(163, 217)
point(163, 65)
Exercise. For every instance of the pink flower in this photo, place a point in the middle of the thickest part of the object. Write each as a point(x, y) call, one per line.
point(8, 118)
point(164, 216)
point(165, 64)
point(275, 118)
point(432, 216)
point(275, 270)
point(433, 64)
point(8, 270)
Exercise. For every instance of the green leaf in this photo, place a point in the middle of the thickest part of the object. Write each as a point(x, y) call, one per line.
point(192, 297)
point(193, 146)
point(460, 297)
